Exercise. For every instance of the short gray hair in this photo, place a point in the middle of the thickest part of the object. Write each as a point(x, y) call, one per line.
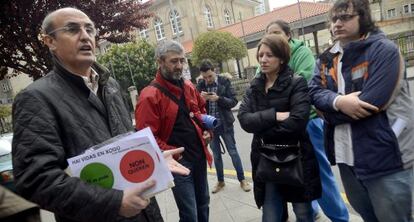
point(166, 46)
point(47, 24)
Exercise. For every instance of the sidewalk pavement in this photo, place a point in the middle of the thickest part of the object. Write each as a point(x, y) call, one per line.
point(231, 204)
point(228, 205)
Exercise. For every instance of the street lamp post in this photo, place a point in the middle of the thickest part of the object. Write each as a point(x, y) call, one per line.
point(130, 70)
point(301, 21)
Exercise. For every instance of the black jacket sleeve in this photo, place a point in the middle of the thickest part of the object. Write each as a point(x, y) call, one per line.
point(39, 161)
point(228, 100)
point(298, 114)
point(253, 121)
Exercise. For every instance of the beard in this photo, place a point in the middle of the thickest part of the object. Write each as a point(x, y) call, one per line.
point(171, 74)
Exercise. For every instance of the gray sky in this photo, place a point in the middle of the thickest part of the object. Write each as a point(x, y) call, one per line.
point(279, 3)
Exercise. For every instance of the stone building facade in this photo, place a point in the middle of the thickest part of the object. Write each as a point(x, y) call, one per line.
point(184, 20)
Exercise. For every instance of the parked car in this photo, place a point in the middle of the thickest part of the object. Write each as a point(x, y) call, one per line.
point(6, 167)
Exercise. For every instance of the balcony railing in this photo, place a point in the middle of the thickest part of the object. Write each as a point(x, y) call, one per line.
point(406, 45)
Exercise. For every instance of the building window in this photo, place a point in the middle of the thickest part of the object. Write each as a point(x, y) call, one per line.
point(208, 16)
point(159, 29)
point(391, 13)
point(406, 9)
point(5, 86)
point(175, 18)
point(412, 7)
point(143, 33)
point(227, 18)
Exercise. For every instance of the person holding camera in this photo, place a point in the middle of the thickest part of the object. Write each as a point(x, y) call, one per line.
point(173, 109)
point(220, 97)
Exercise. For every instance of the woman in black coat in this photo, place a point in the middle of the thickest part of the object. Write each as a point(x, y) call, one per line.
point(276, 109)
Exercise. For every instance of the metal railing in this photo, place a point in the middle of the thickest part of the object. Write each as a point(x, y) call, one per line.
point(406, 45)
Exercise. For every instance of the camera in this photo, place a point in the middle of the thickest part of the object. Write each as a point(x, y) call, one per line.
point(209, 122)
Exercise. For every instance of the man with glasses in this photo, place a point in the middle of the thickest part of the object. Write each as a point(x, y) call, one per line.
point(360, 89)
point(75, 106)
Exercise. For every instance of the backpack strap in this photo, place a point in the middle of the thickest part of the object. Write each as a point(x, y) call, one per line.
point(177, 101)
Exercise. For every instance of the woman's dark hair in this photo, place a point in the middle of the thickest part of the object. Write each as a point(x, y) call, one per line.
point(206, 65)
point(282, 24)
point(360, 7)
point(279, 47)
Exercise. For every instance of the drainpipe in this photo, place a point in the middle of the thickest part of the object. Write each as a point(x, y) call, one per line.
point(301, 20)
point(232, 11)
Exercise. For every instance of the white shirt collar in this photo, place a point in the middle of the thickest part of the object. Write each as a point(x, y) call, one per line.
point(337, 48)
point(92, 81)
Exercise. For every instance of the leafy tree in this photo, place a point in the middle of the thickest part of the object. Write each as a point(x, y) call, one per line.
point(20, 42)
point(134, 59)
point(5, 114)
point(218, 47)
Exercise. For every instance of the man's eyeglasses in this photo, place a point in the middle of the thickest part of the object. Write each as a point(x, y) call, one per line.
point(343, 17)
point(74, 29)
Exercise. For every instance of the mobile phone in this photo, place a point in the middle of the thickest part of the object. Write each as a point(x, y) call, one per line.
point(210, 93)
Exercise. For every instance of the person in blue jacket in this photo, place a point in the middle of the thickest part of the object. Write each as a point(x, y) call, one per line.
point(360, 90)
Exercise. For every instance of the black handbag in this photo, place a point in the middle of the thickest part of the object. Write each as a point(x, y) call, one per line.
point(280, 164)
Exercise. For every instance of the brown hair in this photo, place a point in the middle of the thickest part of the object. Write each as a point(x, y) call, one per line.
point(279, 47)
point(360, 7)
point(282, 24)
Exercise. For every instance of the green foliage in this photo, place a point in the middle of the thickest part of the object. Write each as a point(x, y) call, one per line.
point(22, 48)
point(140, 55)
point(5, 111)
point(217, 46)
point(5, 118)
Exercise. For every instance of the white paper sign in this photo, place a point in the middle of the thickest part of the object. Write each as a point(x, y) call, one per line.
point(124, 161)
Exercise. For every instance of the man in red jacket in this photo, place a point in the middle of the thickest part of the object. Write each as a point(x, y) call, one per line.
point(172, 108)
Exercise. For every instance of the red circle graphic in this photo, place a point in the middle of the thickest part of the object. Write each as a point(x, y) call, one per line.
point(136, 166)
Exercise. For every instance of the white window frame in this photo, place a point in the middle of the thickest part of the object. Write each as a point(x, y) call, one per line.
point(391, 13)
point(143, 33)
point(176, 14)
point(159, 29)
point(208, 16)
point(406, 9)
point(227, 17)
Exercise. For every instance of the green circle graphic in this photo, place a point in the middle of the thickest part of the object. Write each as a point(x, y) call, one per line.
point(99, 174)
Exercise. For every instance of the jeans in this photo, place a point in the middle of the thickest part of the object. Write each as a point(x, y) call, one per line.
point(331, 201)
point(230, 142)
point(273, 207)
point(191, 193)
point(382, 199)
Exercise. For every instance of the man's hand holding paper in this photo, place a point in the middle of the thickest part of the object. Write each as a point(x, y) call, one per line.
point(130, 160)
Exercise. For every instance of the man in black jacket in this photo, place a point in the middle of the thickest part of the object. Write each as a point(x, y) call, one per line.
point(75, 106)
point(220, 96)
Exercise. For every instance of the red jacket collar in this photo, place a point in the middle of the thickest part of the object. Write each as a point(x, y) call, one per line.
point(165, 83)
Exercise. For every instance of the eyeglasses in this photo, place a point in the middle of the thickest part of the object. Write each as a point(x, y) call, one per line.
point(343, 17)
point(74, 29)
